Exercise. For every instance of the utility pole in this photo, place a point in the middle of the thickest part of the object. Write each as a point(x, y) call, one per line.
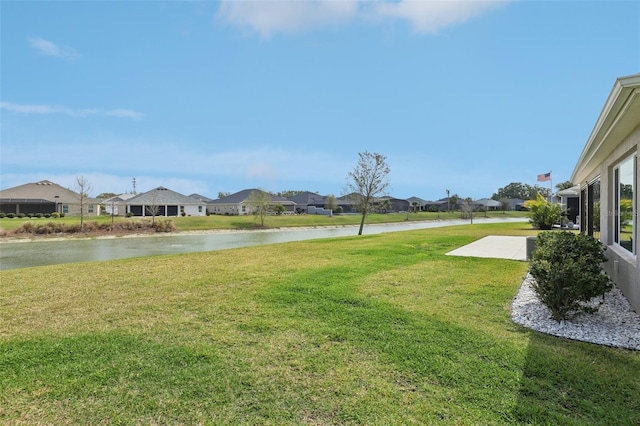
point(448, 202)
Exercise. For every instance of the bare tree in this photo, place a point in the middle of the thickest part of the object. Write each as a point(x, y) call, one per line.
point(467, 207)
point(153, 208)
point(83, 187)
point(368, 180)
point(260, 203)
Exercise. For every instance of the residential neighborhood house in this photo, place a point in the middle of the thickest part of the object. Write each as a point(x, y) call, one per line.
point(45, 197)
point(240, 203)
point(608, 178)
point(161, 201)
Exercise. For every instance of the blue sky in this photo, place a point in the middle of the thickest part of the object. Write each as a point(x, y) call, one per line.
point(203, 97)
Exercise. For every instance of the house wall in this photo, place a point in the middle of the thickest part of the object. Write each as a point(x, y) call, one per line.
point(623, 267)
point(227, 209)
point(191, 210)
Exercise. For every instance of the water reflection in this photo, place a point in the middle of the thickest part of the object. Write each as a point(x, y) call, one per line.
point(38, 253)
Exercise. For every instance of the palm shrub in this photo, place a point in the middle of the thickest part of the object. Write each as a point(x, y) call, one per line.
point(543, 214)
point(567, 268)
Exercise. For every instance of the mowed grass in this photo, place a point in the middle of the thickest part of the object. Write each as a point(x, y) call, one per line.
point(379, 329)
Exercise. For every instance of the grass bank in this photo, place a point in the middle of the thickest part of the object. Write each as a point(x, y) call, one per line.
point(199, 223)
point(379, 329)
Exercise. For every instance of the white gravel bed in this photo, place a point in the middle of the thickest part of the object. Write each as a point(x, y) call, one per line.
point(615, 324)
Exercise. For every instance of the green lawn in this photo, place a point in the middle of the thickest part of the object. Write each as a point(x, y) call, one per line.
point(378, 329)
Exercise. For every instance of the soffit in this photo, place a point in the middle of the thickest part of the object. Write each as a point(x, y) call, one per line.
point(620, 116)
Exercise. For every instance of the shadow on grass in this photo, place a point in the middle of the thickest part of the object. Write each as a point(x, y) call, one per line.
point(475, 374)
point(549, 382)
point(566, 382)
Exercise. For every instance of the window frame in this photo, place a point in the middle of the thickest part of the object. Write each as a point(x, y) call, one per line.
point(617, 225)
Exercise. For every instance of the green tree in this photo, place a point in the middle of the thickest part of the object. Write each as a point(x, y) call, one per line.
point(368, 180)
point(522, 191)
point(542, 213)
point(260, 203)
point(564, 185)
point(289, 193)
point(331, 202)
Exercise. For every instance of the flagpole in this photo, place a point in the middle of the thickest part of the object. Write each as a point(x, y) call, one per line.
point(551, 186)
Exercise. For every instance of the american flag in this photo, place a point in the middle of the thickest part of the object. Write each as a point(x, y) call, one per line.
point(544, 177)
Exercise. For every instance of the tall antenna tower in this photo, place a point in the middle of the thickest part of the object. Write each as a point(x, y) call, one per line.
point(134, 186)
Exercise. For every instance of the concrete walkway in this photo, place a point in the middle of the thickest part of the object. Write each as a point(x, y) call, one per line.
point(499, 247)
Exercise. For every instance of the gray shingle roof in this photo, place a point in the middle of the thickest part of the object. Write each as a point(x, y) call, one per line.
point(161, 196)
point(244, 195)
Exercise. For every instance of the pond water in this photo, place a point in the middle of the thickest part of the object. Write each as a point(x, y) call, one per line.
point(21, 254)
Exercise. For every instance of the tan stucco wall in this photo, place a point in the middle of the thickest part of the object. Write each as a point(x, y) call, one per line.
point(623, 267)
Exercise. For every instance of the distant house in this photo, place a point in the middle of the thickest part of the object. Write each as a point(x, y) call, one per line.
point(112, 205)
point(608, 176)
point(395, 204)
point(200, 198)
point(161, 201)
point(441, 205)
point(570, 201)
point(488, 204)
point(516, 204)
point(307, 199)
point(45, 197)
point(417, 204)
point(239, 204)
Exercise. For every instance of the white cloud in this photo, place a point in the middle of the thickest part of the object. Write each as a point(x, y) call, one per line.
point(48, 48)
point(268, 17)
point(73, 112)
point(433, 16)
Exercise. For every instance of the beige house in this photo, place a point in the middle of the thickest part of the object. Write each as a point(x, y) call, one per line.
point(608, 177)
point(45, 197)
point(239, 204)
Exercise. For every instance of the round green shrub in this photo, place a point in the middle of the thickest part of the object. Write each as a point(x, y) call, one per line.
point(567, 268)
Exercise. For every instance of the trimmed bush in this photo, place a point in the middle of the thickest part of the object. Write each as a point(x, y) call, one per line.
point(164, 226)
point(567, 268)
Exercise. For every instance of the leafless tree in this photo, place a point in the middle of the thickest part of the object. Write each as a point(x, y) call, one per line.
point(153, 208)
point(368, 180)
point(83, 187)
point(467, 207)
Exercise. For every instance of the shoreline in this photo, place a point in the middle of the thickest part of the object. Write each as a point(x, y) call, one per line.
point(28, 238)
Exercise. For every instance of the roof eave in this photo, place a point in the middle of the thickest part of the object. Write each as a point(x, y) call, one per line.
point(618, 112)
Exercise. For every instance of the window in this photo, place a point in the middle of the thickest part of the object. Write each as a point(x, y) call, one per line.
point(90, 208)
point(65, 208)
point(590, 220)
point(199, 209)
point(624, 208)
